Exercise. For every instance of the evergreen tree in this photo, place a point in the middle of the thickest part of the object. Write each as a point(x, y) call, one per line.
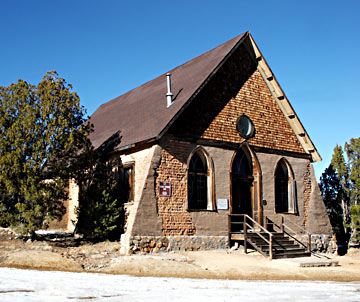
point(342, 170)
point(340, 186)
point(332, 193)
point(100, 211)
point(41, 132)
point(355, 223)
point(353, 155)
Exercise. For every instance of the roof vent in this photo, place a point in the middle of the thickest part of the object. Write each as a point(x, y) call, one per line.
point(169, 95)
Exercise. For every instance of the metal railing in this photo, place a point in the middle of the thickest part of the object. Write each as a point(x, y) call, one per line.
point(283, 227)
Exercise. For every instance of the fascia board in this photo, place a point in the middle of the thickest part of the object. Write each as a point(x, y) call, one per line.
point(283, 102)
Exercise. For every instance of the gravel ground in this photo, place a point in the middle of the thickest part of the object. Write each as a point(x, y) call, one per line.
point(68, 254)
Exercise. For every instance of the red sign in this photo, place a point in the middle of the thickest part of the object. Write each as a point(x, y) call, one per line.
point(165, 189)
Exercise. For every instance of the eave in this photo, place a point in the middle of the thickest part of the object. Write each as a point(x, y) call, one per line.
point(282, 100)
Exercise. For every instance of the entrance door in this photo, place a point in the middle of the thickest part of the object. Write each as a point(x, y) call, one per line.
point(241, 196)
point(241, 183)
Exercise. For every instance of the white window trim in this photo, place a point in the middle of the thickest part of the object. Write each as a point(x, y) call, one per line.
point(209, 178)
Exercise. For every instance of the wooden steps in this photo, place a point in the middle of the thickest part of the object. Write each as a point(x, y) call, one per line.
point(283, 246)
point(246, 231)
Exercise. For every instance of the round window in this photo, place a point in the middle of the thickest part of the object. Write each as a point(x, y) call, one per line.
point(245, 126)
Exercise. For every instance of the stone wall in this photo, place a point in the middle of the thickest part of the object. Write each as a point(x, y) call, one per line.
point(320, 243)
point(156, 244)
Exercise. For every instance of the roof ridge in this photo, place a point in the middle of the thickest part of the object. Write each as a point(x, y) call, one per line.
point(225, 57)
point(141, 113)
point(177, 67)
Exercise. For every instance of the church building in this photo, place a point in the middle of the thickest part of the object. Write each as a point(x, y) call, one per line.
point(207, 143)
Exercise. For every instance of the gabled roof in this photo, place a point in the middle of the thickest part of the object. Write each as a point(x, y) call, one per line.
point(142, 115)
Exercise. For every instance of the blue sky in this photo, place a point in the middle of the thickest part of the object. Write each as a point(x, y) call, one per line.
point(105, 48)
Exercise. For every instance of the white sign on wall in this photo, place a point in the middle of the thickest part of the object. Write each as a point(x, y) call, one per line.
point(222, 204)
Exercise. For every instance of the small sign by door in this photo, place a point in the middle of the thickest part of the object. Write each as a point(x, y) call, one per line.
point(165, 189)
point(222, 204)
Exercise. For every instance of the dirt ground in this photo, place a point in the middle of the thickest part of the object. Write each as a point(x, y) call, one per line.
point(104, 257)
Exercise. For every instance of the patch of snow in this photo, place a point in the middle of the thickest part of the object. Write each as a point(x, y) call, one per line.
point(53, 233)
point(31, 285)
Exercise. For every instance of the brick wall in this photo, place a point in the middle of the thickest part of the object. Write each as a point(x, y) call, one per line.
point(175, 217)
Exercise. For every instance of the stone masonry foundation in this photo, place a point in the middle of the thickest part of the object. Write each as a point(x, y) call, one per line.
point(320, 242)
point(156, 244)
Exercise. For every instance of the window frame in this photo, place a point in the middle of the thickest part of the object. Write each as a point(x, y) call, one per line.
point(291, 191)
point(130, 165)
point(210, 206)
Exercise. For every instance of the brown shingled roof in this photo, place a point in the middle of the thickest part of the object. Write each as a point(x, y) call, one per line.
point(142, 114)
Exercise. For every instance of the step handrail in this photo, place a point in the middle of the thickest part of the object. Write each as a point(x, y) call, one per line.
point(284, 226)
point(301, 228)
point(295, 224)
point(247, 225)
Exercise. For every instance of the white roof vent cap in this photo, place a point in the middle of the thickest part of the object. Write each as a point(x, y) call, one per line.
point(169, 95)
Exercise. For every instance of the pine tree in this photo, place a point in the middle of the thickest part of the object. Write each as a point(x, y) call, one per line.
point(346, 183)
point(332, 193)
point(100, 211)
point(41, 132)
point(342, 170)
point(353, 154)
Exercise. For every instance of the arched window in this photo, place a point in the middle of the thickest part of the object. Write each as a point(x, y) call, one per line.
point(285, 189)
point(241, 165)
point(198, 182)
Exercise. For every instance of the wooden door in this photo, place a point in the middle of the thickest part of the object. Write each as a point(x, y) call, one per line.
point(241, 196)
